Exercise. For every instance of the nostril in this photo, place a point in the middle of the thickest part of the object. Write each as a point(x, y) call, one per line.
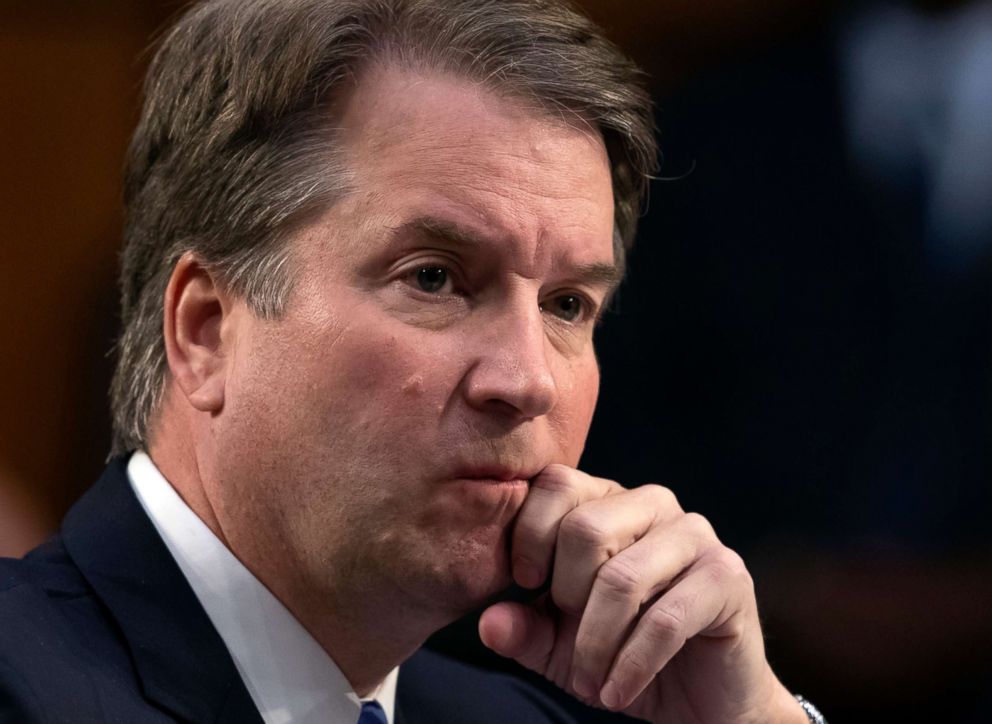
point(511, 389)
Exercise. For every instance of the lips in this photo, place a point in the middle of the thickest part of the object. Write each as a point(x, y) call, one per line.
point(497, 472)
point(491, 493)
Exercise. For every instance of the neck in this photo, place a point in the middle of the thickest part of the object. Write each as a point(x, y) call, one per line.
point(367, 638)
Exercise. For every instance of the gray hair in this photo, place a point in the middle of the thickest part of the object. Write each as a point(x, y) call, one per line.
point(234, 146)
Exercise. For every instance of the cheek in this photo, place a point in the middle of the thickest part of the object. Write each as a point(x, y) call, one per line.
point(578, 391)
point(383, 362)
point(380, 374)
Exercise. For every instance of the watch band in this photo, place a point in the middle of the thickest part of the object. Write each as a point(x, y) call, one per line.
point(815, 717)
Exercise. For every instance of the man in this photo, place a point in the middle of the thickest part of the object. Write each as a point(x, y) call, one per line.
point(367, 244)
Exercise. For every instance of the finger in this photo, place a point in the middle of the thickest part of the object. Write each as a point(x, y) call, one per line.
point(519, 631)
point(554, 492)
point(709, 600)
point(623, 585)
point(596, 531)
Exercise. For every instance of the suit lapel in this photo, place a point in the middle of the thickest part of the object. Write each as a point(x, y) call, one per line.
point(180, 658)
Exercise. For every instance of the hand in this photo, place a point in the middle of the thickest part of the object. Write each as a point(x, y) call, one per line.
point(648, 612)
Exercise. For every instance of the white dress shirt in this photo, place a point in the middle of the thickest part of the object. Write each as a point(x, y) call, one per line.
point(291, 679)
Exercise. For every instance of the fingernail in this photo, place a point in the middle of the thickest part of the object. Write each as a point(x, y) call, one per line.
point(526, 573)
point(583, 685)
point(610, 695)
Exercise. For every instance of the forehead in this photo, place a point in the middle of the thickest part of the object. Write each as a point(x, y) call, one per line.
point(437, 145)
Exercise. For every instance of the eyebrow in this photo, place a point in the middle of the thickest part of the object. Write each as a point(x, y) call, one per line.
point(594, 274)
point(447, 230)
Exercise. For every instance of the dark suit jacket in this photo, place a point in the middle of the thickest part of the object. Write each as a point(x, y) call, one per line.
point(99, 625)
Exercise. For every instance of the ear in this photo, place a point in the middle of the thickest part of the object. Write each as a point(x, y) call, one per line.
point(196, 307)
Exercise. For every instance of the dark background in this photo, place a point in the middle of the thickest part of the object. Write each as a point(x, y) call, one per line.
point(801, 350)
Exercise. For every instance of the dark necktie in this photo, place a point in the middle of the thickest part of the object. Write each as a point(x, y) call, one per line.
point(372, 713)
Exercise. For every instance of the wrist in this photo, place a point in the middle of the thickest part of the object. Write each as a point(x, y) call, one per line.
point(786, 708)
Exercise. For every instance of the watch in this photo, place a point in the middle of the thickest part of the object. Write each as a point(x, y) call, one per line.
point(815, 717)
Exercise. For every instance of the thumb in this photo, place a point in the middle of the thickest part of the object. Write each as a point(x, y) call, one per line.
point(519, 632)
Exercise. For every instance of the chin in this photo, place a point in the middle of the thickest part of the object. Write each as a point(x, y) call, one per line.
point(463, 574)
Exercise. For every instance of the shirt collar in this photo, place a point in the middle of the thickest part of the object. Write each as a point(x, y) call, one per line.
point(289, 676)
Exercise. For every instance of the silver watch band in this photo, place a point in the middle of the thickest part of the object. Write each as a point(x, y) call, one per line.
point(815, 717)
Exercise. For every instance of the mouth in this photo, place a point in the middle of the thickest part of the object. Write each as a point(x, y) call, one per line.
point(496, 474)
point(495, 485)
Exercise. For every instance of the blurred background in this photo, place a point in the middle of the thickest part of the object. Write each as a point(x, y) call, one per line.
point(801, 351)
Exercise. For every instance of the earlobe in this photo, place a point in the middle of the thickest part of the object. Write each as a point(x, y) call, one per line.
point(195, 310)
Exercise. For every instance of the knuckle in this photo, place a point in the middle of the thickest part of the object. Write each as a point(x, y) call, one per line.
point(585, 529)
point(699, 525)
point(590, 648)
point(620, 580)
point(636, 663)
point(525, 560)
point(662, 497)
point(666, 623)
point(726, 565)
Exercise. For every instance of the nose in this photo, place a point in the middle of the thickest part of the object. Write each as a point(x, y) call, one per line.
point(512, 373)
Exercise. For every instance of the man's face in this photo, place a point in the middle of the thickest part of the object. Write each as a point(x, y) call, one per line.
point(436, 352)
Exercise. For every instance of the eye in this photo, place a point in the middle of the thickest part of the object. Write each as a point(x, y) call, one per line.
point(431, 279)
point(569, 307)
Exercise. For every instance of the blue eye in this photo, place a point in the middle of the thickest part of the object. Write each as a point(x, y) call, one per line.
point(432, 278)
